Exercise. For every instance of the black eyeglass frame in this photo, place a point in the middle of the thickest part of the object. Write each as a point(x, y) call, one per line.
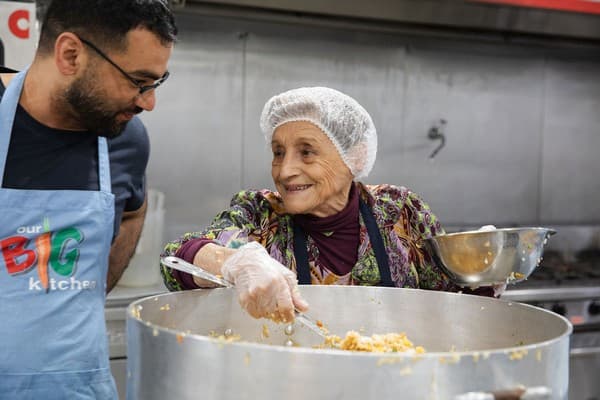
point(142, 89)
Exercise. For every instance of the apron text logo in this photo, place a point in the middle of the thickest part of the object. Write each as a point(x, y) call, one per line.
point(29, 229)
point(70, 284)
point(59, 250)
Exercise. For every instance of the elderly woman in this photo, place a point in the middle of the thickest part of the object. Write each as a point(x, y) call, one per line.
point(321, 226)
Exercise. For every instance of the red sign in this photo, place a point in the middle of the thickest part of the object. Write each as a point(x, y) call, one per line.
point(581, 6)
point(18, 33)
point(13, 23)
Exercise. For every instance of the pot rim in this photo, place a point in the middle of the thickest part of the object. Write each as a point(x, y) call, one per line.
point(181, 335)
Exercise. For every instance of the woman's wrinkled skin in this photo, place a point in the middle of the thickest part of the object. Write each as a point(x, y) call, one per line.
point(308, 171)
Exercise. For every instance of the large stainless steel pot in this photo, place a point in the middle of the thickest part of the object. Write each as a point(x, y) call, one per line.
point(474, 344)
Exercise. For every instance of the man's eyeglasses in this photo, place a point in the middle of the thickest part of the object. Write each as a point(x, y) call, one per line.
point(136, 82)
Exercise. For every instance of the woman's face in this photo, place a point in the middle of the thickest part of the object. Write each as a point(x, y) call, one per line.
point(308, 171)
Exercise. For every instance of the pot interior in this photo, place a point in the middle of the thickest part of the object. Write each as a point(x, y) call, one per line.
point(438, 321)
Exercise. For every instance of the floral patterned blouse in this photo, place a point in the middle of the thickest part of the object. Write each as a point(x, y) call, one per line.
point(403, 218)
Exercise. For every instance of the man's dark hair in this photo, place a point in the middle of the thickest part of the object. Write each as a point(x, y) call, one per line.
point(106, 22)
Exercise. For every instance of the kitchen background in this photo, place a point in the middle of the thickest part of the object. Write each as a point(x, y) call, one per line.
point(521, 111)
point(518, 90)
point(522, 128)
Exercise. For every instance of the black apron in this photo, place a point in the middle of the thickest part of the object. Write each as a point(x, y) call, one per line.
point(301, 252)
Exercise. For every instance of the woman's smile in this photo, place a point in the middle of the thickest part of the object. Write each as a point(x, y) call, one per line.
point(296, 188)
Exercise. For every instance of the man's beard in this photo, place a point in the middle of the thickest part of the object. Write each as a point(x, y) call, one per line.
point(92, 112)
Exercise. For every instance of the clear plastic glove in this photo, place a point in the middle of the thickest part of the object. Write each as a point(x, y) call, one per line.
point(266, 289)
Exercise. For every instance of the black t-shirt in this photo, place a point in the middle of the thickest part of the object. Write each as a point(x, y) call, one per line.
point(44, 158)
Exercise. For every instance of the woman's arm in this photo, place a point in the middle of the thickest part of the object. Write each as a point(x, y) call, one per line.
point(211, 258)
point(243, 221)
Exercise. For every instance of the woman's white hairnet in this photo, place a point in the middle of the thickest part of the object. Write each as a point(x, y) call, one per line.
point(347, 124)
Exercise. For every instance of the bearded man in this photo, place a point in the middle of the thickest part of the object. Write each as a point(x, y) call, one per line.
point(73, 156)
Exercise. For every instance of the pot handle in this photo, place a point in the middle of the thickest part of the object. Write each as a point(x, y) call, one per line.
point(520, 393)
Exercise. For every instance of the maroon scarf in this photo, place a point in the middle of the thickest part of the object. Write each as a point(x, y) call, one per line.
point(337, 236)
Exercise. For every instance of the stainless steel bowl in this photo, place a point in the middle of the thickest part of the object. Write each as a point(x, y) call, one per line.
point(489, 257)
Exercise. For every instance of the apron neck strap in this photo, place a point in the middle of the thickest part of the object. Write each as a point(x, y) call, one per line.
point(104, 165)
point(377, 244)
point(301, 256)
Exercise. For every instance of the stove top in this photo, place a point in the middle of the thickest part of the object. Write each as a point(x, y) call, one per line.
point(568, 287)
point(556, 271)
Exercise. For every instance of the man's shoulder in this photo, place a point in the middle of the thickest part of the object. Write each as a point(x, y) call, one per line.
point(135, 133)
point(130, 151)
point(133, 143)
point(129, 155)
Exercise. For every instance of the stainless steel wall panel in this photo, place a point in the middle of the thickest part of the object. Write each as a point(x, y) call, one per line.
point(371, 73)
point(571, 162)
point(196, 130)
point(488, 170)
point(522, 130)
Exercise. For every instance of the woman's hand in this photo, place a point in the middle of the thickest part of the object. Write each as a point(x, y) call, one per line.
point(266, 288)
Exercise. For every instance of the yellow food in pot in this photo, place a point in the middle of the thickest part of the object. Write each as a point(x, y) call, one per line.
point(353, 341)
point(387, 343)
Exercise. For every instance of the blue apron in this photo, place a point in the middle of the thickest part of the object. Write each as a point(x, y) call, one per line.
point(54, 247)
